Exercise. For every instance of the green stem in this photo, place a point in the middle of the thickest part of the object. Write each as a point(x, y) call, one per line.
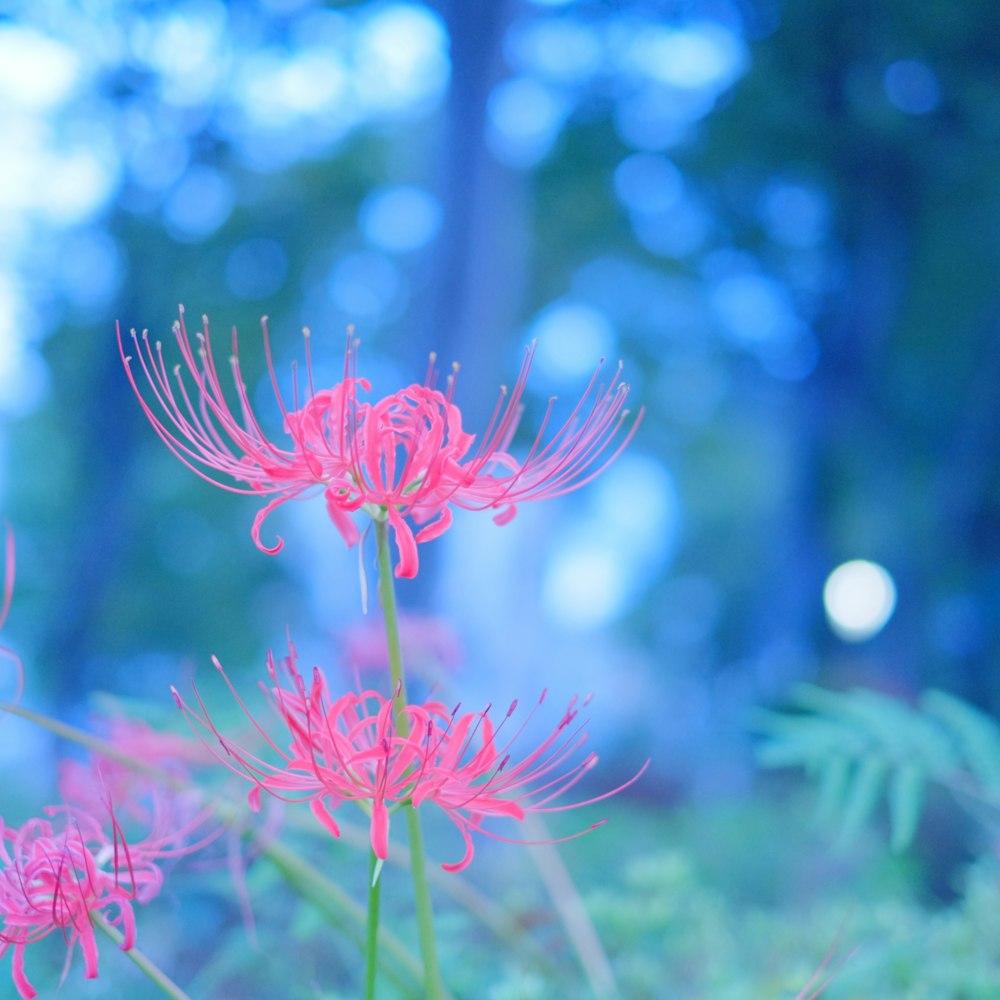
point(387, 596)
point(371, 942)
point(421, 889)
point(336, 905)
point(153, 971)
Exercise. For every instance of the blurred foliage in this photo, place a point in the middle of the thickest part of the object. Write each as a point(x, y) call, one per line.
point(862, 746)
point(679, 921)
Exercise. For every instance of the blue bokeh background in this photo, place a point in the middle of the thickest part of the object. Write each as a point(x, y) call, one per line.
point(783, 219)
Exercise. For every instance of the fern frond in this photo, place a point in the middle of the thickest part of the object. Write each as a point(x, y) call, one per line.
point(862, 746)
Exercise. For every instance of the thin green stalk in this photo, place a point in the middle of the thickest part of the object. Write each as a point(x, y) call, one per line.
point(570, 907)
point(371, 941)
point(504, 924)
point(336, 905)
point(153, 971)
point(387, 596)
point(421, 889)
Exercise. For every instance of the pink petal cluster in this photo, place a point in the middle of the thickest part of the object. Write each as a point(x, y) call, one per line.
point(405, 458)
point(359, 747)
point(53, 875)
point(135, 780)
point(55, 872)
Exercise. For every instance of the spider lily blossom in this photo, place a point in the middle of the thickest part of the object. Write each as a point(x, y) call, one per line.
point(150, 783)
point(405, 458)
point(56, 872)
point(359, 747)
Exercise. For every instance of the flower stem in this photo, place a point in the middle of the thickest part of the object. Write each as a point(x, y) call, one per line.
point(342, 911)
point(371, 941)
point(421, 888)
point(153, 971)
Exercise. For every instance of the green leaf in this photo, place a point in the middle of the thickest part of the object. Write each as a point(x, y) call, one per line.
point(906, 800)
point(833, 785)
point(976, 734)
point(862, 797)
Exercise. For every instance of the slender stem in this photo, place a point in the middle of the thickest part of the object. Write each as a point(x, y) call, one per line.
point(334, 903)
point(387, 596)
point(566, 899)
point(371, 941)
point(153, 971)
point(421, 889)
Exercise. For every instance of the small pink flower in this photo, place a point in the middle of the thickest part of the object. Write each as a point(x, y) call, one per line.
point(53, 876)
point(405, 458)
point(430, 646)
point(55, 872)
point(356, 748)
point(153, 792)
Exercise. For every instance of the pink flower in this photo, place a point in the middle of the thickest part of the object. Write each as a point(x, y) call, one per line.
point(405, 458)
point(55, 872)
point(150, 785)
point(359, 748)
point(430, 646)
point(52, 877)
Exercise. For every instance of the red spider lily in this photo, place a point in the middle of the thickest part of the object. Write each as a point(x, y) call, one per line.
point(54, 878)
point(404, 458)
point(54, 875)
point(359, 747)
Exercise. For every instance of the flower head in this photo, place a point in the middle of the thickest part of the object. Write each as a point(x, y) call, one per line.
point(363, 748)
point(56, 872)
point(405, 458)
point(53, 875)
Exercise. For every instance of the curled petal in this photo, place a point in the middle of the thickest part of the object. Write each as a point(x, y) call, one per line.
point(506, 515)
point(318, 808)
point(470, 850)
point(437, 528)
point(342, 521)
point(258, 523)
point(406, 546)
